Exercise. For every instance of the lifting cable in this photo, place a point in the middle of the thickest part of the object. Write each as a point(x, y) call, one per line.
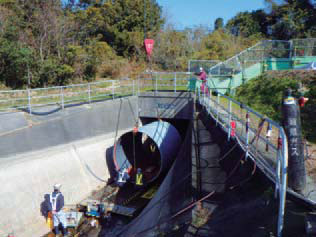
point(115, 138)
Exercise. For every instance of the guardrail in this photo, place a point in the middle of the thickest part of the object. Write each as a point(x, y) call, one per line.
point(62, 96)
point(263, 140)
point(65, 95)
point(170, 81)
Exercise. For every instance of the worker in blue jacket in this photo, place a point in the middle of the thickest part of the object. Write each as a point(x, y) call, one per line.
point(56, 203)
point(123, 177)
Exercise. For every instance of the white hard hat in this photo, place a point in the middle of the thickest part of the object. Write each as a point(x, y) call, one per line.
point(57, 186)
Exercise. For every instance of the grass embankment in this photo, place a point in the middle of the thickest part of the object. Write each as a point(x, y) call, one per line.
point(264, 94)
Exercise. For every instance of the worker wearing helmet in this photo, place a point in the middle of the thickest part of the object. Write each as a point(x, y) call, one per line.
point(123, 176)
point(202, 76)
point(56, 203)
point(139, 178)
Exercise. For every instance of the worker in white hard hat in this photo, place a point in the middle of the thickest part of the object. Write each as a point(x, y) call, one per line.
point(56, 204)
point(203, 77)
point(123, 176)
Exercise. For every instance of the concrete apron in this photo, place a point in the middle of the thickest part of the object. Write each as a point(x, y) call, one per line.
point(79, 166)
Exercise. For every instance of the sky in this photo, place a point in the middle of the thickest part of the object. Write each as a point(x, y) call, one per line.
point(188, 13)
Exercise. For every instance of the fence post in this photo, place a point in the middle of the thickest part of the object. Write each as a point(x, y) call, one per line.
point(247, 134)
point(89, 93)
point(113, 91)
point(291, 49)
point(133, 87)
point(278, 168)
point(62, 97)
point(138, 84)
point(156, 81)
point(284, 164)
point(217, 110)
point(175, 82)
point(29, 98)
point(229, 118)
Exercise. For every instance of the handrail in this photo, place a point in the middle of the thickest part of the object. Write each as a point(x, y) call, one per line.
point(224, 110)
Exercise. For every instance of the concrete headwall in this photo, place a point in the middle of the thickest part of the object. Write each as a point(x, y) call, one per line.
point(175, 105)
point(68, 147)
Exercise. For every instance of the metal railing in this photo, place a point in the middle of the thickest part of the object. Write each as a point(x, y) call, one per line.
point(262, 139)
point(167, 81)
point(64, 96)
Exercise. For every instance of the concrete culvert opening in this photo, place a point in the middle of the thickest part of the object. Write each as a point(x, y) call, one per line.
point(154, 145)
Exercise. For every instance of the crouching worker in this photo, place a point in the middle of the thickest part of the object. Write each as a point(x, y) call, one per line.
point(123, 176)
point(56, 204)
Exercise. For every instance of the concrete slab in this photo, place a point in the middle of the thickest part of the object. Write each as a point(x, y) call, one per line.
point(73, 125)
point(12, 121)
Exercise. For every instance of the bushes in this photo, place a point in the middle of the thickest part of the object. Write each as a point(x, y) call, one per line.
point(264, 94)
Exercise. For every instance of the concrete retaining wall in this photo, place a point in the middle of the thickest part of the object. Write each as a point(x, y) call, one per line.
point(68, 148)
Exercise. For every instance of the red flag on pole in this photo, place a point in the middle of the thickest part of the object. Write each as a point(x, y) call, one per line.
point(149, 45)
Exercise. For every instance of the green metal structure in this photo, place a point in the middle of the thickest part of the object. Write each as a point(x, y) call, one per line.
point(264, 56)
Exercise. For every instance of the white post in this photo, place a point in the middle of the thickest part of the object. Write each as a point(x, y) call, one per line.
point(29, 98)
point(278, 174)
point(175, 82)
point(291, 49)
point(133, 87)
point(217, 110)
point(156, 82)
point(284, 163)
point(229, 118)
point(247, 134)
point(62, 98)
point(89, 93)
point(138, 84)
point(113, 91)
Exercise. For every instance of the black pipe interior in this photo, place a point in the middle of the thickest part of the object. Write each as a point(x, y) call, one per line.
point(147, 155)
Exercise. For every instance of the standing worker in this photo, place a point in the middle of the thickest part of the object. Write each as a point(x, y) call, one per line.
point(202, 76)
point(139, 178)
point(123, 176)
point(56, 204)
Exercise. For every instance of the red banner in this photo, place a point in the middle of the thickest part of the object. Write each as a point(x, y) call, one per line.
point(149, 46)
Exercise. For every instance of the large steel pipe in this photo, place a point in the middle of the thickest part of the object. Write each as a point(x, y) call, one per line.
point(152, 148)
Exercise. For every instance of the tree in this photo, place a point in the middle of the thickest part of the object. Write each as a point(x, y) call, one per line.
point(220, 45)
point(121, 23)
point(248, 23)
point(219, 23)
point(172, 50)
point(291, 18)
